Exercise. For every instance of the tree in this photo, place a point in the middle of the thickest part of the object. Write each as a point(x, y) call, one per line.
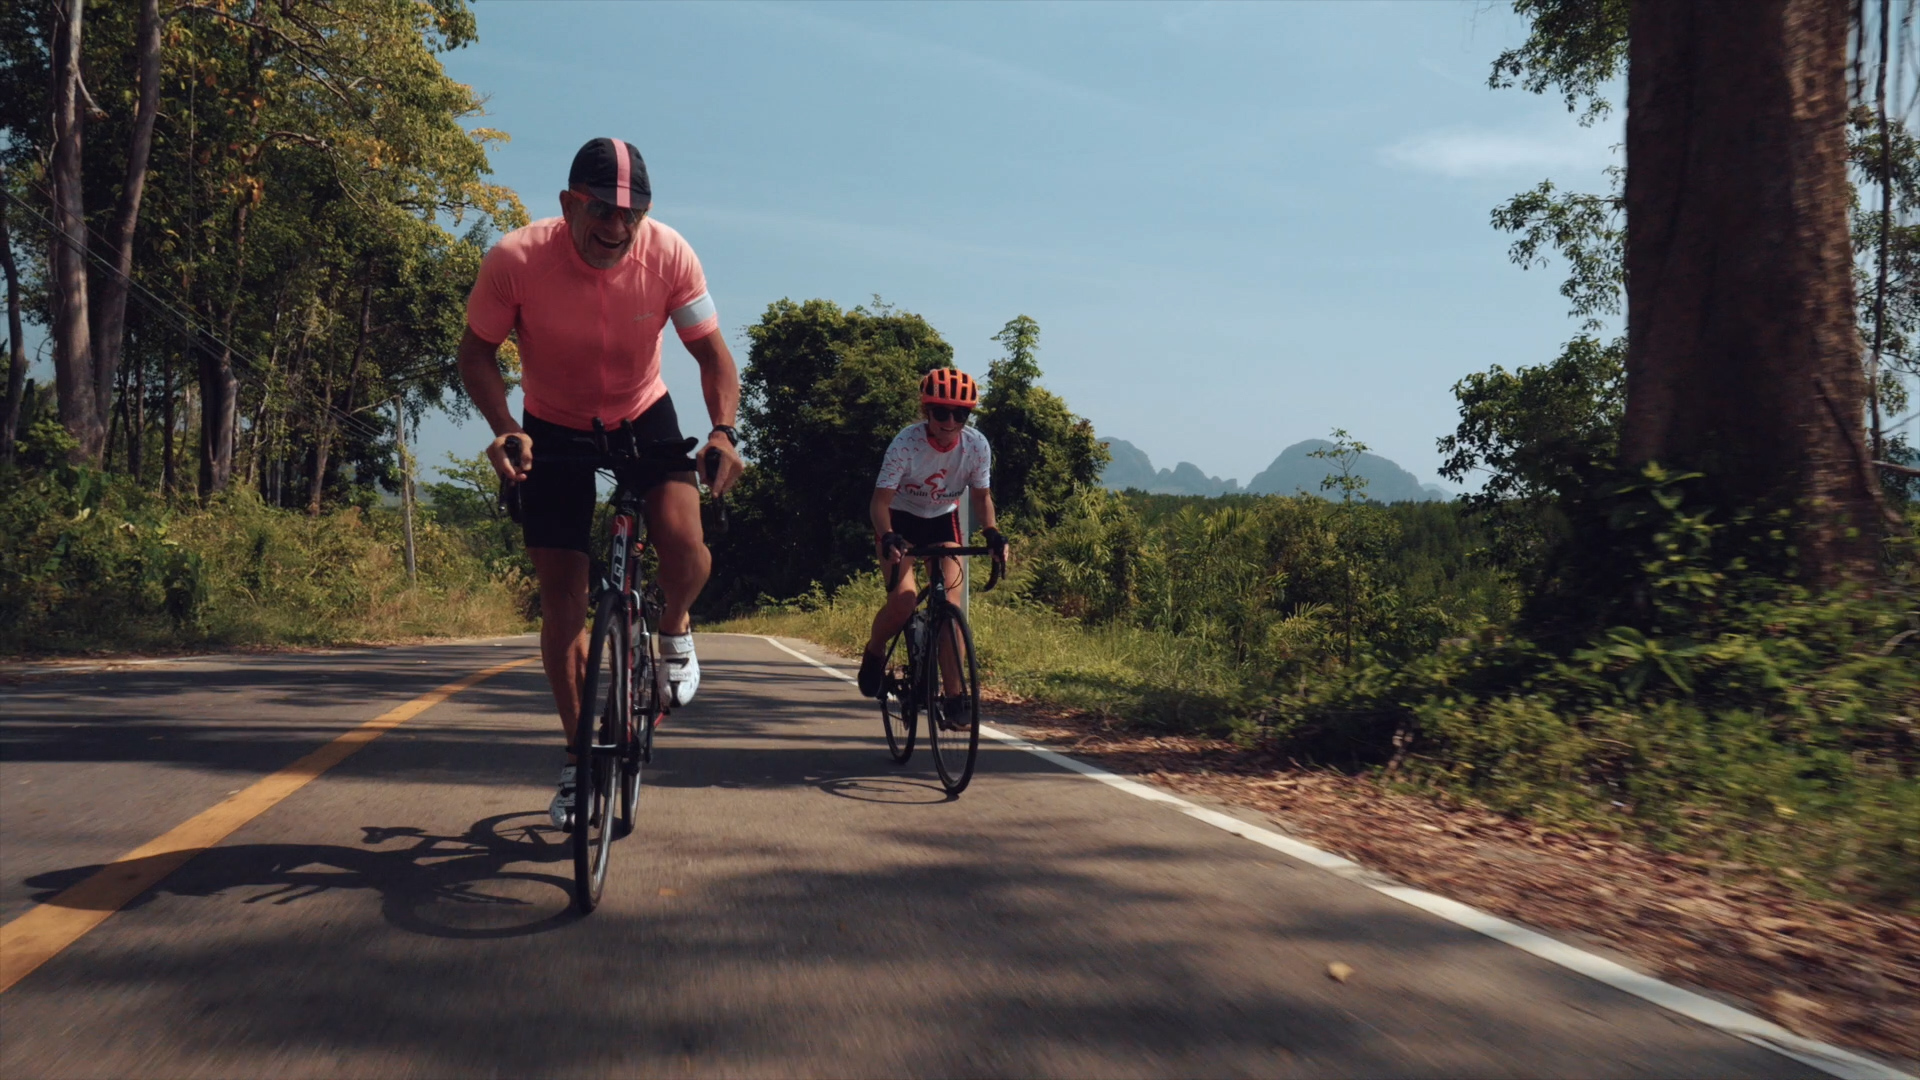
point(823, 393)
point(1743, 358)
point(1546, 434)
point(1042, 453)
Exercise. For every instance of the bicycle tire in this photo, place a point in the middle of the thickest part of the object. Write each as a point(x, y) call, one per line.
point(598, 736)
point(898, 701)
point(643, 714)
point(954, 748)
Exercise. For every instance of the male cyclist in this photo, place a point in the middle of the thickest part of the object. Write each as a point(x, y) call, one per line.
point(916, 503)
point(588, 296)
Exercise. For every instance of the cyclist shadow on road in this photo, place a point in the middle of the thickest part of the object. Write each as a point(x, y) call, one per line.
point(471, 886)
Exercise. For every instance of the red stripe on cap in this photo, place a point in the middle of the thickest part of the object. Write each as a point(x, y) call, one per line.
point(623, 195)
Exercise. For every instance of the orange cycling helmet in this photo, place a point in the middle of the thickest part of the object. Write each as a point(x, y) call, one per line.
point(948, 386)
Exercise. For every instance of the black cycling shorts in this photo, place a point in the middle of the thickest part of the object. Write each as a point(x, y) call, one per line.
point(922, 532)
point(557, 500)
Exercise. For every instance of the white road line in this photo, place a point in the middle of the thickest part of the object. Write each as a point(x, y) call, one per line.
point(1831, 1060)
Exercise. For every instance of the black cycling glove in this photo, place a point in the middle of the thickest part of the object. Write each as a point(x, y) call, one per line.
point(996, 542)
point(893, 541)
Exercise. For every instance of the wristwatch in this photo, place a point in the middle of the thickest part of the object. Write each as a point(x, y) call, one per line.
point(727, 430)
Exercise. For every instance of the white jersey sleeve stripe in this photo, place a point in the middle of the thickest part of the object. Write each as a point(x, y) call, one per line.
point(695, 312)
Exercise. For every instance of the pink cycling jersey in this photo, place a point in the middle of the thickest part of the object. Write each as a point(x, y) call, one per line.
point(589, 339)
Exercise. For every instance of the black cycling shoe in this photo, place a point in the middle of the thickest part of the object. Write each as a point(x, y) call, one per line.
point(955, 714)
point(871, 669)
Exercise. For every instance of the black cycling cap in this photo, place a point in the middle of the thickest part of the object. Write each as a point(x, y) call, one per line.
point(611, 170)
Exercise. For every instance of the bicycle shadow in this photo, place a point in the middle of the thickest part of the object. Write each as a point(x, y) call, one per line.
point(460, 887)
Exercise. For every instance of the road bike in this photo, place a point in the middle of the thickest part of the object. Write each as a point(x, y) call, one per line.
point(936, 637)
point(622, 699)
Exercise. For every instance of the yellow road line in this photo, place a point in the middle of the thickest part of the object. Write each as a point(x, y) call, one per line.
point(40, 934)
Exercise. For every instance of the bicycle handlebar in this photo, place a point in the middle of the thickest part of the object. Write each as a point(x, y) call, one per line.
point(936, 552)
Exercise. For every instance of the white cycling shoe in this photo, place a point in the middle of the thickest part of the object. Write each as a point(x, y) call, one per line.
point(561, 808)
point(682, 667)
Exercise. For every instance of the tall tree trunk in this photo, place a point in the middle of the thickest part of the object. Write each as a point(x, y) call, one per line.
point(137, 429)
point(1742, 350)
point(324, 444)
point(16, 339)
point(110, 306)
point(73, 363)
point(168, 482)
point(219, 387)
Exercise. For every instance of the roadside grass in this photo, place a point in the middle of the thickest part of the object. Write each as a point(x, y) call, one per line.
point(1030, 653)
point(94, 564)
point(1714, 785)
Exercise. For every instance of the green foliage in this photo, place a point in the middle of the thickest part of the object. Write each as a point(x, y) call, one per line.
point(1574, 46)
point(823, 393)
point(466, 503)
point(1536, 437)
point(92, 561)
point(1042, 453)
point(316, 198)
point(1708, 702)
point(1281, 589)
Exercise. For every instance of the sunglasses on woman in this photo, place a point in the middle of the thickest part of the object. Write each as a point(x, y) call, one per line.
point(943, 413)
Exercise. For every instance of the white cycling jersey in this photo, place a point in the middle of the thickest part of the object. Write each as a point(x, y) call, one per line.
point(927, 480)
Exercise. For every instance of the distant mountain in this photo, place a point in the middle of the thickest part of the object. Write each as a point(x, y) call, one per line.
point(1131, 468)
point(1292, 472)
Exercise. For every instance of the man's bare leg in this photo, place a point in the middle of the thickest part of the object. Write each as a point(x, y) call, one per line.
point(562, 574)
point(673, 524)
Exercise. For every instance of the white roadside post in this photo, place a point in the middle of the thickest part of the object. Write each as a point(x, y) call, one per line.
point(966, 537)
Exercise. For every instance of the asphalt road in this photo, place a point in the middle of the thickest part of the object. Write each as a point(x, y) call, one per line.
point(794, 904)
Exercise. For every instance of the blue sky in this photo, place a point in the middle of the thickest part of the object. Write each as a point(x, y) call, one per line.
point(1239, 225)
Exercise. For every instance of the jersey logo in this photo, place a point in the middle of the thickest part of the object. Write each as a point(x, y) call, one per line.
point(932, 483)
point(648, 315)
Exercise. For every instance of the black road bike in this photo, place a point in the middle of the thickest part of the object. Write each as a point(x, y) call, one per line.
point(936, 636)
point(623, 698)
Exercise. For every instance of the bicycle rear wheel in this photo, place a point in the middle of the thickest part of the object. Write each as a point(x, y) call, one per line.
point(599, 736)
point(897, 699)
point(953, 721)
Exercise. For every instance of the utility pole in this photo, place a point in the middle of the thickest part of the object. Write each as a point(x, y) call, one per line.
point(406, 484)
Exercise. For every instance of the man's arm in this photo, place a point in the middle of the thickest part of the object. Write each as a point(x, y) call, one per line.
point(720, 386)
point(480, 374)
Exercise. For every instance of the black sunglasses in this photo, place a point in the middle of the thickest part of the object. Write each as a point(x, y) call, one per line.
point(601, 210)
point(944, 413)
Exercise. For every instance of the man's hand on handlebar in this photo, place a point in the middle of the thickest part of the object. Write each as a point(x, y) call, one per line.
point(719, 463)
point(511, 455)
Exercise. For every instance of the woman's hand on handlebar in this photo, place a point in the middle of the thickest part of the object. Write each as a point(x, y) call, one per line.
point(891, 547)
point(998, 543)
point(511, 455)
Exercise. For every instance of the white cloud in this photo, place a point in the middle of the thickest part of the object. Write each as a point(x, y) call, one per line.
point(1470, 152)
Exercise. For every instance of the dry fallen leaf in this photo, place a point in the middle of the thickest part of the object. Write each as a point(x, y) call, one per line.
point(1338, 971)
point(664, 891)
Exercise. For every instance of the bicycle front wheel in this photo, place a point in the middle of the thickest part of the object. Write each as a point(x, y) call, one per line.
point(897, 700)
point(953, 719)
point(599, 737)
point(645, 712)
